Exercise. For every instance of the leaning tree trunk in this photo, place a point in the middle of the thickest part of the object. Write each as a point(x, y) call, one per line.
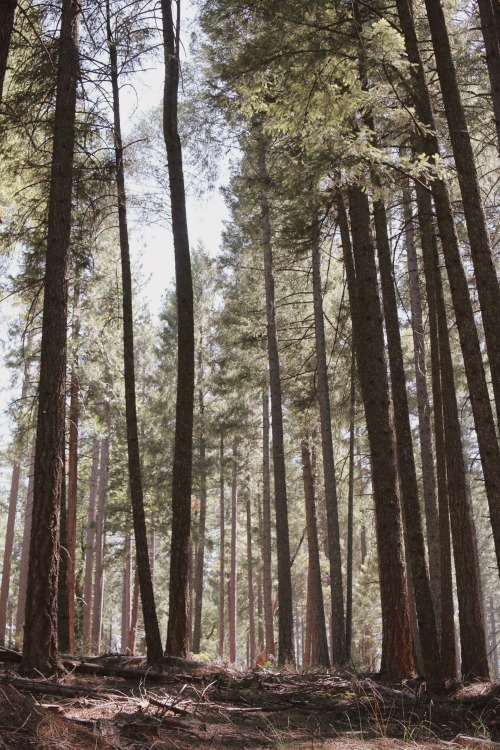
point(492, 48)
point(7, 13)
point(481, 252)
point(414, 535)
point(469, 340)
point(285, 615)
point(151, 626)
point(178, 621)
point(98, 587)
point(339, 653)
point(40, 650)
point(350, 510)
point(397, 650)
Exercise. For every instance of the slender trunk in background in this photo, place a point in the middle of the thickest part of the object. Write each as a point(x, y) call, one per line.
point(260, 598)
point(492, 49)
point(178, 632)
point(23, 571)
point(397, 651)
point(493, 638)
point(151, 626)
point(63, 640)
point(127, 575)
point(350, 510)
point(472, 636)
point(318, 639)
point(414, 536)
point(233, 558)
point(251, 594)
point(90, 544)
point(339, 653)
point(487, 285)
point(11, 522)
point(423, 405)
point(266, 528)
point(98, 588)
point(222, 550)
point(447, 608)
point(199, 563)
point(40, 634)
point(285, 613)
point(134, 617)
point(72, 470)
point(7, 14)
point(469, 341)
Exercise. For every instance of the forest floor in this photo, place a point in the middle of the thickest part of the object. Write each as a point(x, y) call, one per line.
point(215, 707)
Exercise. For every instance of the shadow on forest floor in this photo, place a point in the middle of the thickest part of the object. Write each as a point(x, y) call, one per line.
point(212, 707)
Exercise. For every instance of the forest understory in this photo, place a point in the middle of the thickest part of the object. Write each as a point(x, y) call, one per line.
point(124, 705)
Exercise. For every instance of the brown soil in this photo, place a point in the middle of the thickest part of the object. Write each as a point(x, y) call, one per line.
point(211, 707)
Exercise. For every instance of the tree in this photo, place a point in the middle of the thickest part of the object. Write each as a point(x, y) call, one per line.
point(40, 638)
point(7, 14)
point(178, 632)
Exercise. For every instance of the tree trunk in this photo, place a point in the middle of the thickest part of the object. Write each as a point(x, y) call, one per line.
point(199, 564)
point(127, 575)
point(222, 550)
point(317, 630)
point(424, 410)
point(98, 588)
point(11, 523)
point(267, 577)
point(492, 49)
point(152, 629)
point(63, 640)
point(134, 617)
point(233, 558)
point(350, 510)
point(23, 571)
point(469, 340)
point(40, 633)
point(285, 614)
point(447, 609)
point(397, 651)
point(7, 14)
point(493, 638)
point(72, 472)
point(472, 639)
point(251, 594)
point(339, 654)
point(427, 629)
point(90, 545)
point(178, 632)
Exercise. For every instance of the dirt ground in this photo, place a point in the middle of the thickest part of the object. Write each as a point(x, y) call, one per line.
point(212, 707)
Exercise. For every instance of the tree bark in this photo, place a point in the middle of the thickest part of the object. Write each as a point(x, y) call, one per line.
point(11, 523)
point(350, 510)
point(98, 588)
point(267, 577)
point(233, 558)
point(127, 576)
point(152, 629)
point(339, 653)
point(285, 614)
point(40, 633)
point(199, 564)
point(318, 655)
point(7, 14)
point(90, 545)
point(72, 472)
point(397, 651)
point(251, 593)
point(447, 609)
point(23, 572)
point(424, 410)
point(178, 626)
point(222, 550)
